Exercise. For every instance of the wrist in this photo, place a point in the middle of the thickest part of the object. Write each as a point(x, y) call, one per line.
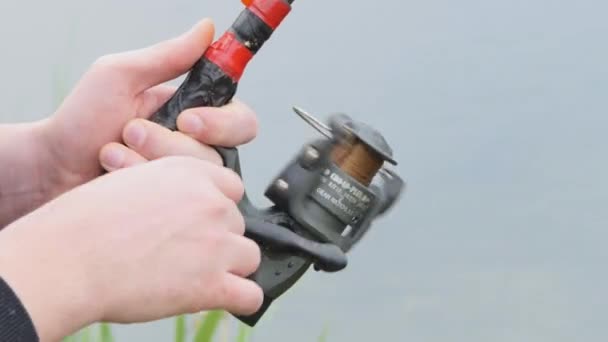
point(48, 282)
point(52, 179)
point(29, 179)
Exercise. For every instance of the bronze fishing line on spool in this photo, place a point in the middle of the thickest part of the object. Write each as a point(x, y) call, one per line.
point(357, 160)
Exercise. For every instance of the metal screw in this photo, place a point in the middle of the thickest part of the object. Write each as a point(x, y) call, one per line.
point(311, 154)
point(282, 185)
point(347, 231)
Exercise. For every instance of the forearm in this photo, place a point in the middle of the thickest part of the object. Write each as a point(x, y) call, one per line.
point(25, 183)
point(45, 284)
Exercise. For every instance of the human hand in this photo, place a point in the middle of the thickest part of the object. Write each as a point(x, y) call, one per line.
point(134, 246)
point(128, 88)
point(107, 112)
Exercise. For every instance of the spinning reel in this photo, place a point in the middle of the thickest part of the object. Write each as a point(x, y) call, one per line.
point(326, 198)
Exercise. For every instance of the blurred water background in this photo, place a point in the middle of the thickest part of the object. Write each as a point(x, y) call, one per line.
point(497, 114)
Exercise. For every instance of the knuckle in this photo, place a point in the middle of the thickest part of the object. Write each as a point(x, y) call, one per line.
point(240, 225)
point(201, 166)
point(258, 300)
point(107, 62)
point(216, 237)
point(203, 298)
point(183, 170)
point(221, 208)
point(250, 120)
point(214, 240)
point(139, 141)
point(225, 292)
point(223, 125)
point(174, 135)
point(239, 191)
point(232, 179)
point(186, 164)
point(111, 71)
point(216, 131)
point(246, 118)
point(225, 178)
point(255, 255)
point(175, 163)
point(250, 300)
point(213, 157)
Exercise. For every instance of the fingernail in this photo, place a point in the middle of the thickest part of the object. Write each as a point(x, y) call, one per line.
point(113, 158)
point(135, 135)
point(192, 123)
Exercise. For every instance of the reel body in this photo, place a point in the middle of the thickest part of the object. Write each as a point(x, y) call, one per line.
point(321, 207)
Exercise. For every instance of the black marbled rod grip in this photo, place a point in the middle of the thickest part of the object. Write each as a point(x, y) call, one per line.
point(213, 80)
point(205, 86)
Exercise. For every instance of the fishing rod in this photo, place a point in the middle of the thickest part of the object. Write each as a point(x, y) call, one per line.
point(326, 198)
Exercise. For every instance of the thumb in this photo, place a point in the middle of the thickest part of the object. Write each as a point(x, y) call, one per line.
point(167, 60)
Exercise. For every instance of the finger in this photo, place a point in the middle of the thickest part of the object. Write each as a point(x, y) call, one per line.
point(237, 295)
point(116, 156)
point(213, 177)
point(229, 126)
point(152, 99)
point(167, 60)
point(232, 219)
point(244, 255)
point(228, 182)
point(153, 141)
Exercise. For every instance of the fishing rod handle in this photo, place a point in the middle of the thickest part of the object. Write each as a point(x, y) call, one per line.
point(213, 80)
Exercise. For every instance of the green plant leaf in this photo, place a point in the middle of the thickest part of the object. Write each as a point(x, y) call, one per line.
point(324, 334)
point(244, 331)
point(180, 329)
point(105, 333)
point(70, 339)
point(207, 328)
point(85, 335)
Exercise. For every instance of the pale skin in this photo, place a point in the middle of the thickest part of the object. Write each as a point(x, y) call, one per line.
point(160, 234)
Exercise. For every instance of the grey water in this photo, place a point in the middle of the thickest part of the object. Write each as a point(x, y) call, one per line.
point(496, 110)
